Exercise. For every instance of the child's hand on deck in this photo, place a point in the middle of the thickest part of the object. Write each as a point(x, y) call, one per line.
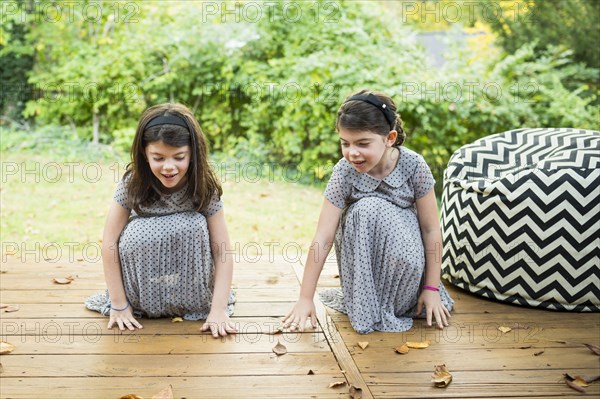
point(434, 308)
point(123, 318)
point(219, 324)
point(303, 310)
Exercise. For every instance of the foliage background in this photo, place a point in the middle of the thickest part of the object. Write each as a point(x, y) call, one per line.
point(265, 78)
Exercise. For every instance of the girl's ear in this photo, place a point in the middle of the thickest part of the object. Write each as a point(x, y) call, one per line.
point(391, 138)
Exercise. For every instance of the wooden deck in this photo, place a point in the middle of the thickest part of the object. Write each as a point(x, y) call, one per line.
point(63, 350)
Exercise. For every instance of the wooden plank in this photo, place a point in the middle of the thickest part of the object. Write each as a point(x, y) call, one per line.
point(353, 375)
point(88, 279)
point(140, 344)
point(79, 311)
point(75, 295)
point(295, 387)
point(97, 326)
point(188, 365)
point(475, 384)
point(542, 318)
point(468, 331)
point(385, 361)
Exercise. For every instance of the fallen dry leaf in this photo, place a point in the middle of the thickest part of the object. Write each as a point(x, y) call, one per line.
point(403, 349)
point(279, 349)
point(310, 372)
point(336, 276)
point(568, 376)
point(594, 348)
point(418, 345)
point(6, 347)
point(355, 392)
point(66, 280)
point(363, 345)
point(273, 280)
point(176, 320)
point(11, 308)
point(525, 347)
point(166, 393)
point(576, 387)
point(276, 331)
point(580, 381)
point(336, 384)
point(131, 396)
point(441, 376)
point(504, 329)
point(538, 353)
point(560, 341)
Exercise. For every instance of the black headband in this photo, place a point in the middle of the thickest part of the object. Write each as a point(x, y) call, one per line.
point(390, 115)
point(168, 120)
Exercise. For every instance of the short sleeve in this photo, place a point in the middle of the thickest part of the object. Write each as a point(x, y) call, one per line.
point(121, 194)
point(337, 190)
point(215, 205)
point(423, 180)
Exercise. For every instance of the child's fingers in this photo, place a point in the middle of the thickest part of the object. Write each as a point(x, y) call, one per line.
point(231, 328)
point(293, 324)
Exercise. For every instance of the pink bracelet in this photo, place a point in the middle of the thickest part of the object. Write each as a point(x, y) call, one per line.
point(430, 288)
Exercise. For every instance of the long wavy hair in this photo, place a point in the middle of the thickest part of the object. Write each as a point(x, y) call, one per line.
point(361, 116)
point(144, 188)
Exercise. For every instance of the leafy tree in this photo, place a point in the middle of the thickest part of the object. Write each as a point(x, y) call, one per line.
point(574, 24)
point(16, 61)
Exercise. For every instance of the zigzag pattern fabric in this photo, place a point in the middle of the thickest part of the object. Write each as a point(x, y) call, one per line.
point(521, 218)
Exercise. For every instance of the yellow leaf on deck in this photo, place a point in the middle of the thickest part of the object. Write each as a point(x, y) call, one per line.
point(504, 330)
point(363, 345)
point(336, 384)
point(6, 347)
point(403, 349)
point(580, 381)
point(131, 396)
point(66, 280)
point(176, 319)
point(419, 344)
point(441, 376)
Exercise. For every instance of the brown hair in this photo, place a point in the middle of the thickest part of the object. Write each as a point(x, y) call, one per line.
point(362, 116)
point(144, 187)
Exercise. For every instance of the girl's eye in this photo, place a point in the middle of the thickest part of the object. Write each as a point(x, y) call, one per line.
point(180, 159)
point(158, 159)
point(344, 144)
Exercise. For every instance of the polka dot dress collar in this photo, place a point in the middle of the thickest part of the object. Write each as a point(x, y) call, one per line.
point(367, 183)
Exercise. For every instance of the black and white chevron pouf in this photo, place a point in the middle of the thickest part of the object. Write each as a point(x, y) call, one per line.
point(521, 218)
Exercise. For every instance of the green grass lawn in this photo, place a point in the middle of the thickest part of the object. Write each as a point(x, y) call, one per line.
point(51, 205)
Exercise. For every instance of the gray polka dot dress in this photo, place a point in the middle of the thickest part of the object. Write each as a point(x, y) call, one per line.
point(165, 258)
point(380, 252)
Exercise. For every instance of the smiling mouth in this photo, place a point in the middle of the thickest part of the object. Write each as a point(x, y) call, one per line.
point(358, 162)
point(169, 176)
